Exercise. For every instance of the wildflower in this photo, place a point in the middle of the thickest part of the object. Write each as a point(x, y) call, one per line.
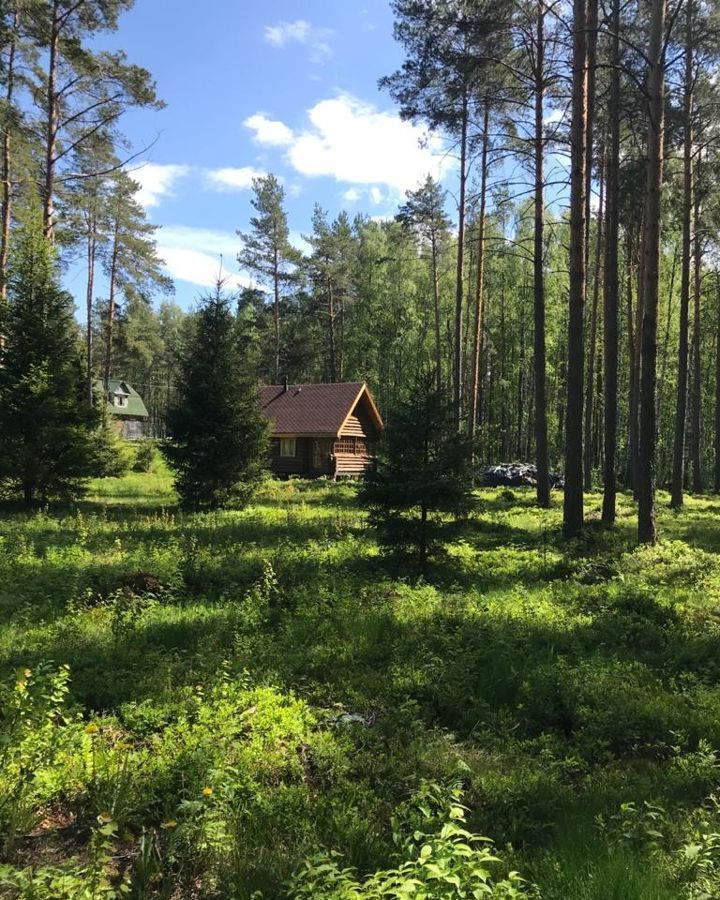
point(104, 818)
point(27, 673)
point(91, 728)
point(207, 791)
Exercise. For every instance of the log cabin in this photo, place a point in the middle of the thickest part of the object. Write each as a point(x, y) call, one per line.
point(321, 429)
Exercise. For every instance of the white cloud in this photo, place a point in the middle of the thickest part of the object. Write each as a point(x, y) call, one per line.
point(199, 255)
point(354, 142)
point(351, 195)
point(195, 267)
point(229, 178)
point(284, 32)
point(269, 131)
point(301, 32)
point(376, 195)
point(157, 182)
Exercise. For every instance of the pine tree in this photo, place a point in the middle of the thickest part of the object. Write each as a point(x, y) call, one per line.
point(129, 258)
point(79, 92)
point(423, 468)
point(217, 434)
point(268, 253)
point(423, 213)
point(47, 429)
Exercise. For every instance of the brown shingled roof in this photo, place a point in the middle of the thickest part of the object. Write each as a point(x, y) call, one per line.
point(312, 409)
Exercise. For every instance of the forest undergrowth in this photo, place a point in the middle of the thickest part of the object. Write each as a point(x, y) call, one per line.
point(256, 704)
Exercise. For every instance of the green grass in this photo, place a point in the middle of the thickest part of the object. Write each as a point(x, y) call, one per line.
point(314, 688)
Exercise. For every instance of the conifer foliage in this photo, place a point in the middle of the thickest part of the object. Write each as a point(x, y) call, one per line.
point(47, 428)
point(218, 435)
point(424, 468)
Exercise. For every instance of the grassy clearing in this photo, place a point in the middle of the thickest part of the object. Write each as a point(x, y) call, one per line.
point(286, 691)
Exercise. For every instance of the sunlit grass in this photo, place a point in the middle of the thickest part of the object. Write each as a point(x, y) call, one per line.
point(556, 681)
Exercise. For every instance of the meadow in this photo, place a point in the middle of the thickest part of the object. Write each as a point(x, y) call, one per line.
point(256, 704)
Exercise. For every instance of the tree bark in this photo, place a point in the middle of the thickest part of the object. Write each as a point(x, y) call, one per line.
point(696, 410)
point(460, 266)
point(590, 389)
point(479, 287)
point(436, 304)
point(51, 127)
point(331, 321)
point(634, 323)
point(6, 214)
point(647, 525)
point(90, 290)
point(276, 313)
point(111, 311)
point(717, 387)
point(611, 284)
point(541, 426)
point(573, 502)
point(678, 472)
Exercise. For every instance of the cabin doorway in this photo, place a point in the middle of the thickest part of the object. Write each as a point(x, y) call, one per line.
point(319, 455)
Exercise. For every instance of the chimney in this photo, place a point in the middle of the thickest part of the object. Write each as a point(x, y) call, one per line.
point(285, 384)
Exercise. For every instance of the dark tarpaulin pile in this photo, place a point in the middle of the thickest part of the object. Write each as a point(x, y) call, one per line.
point(516, 475)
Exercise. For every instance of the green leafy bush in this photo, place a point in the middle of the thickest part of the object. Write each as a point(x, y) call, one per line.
point(144, 456)
point(447, 862)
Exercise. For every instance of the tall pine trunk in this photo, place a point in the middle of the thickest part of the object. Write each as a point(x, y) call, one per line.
point(109, 331)
point(436, 305)
point(540, 375)
point(460, 270)
point(480, 285)
point(611, 282)
point(717, 385)
point(592, 355)
point(90, 290)
point(678, 472)
point(331, 331)
point(634, 314)
point(696, 406)
point(573, 502)
point(276, 314)
point(6, 213)
point(51, 125)
point(647, 526)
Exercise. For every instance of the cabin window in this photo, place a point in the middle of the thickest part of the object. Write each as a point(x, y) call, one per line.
point(287, 446)
point(356, 446)
point(120, 400)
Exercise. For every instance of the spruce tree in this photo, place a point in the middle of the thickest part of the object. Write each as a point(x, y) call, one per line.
point(423, 469)
point(218, 436)
point(47, 428)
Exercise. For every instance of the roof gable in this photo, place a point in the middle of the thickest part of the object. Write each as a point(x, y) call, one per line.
point(313, 409)
point(134, 408)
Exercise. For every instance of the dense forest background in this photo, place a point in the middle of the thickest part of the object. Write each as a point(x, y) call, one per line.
point(547, 113)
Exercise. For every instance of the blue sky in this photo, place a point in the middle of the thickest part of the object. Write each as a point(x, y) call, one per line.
point(289, 87)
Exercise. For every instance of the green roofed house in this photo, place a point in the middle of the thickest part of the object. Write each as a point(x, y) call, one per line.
point(127, 410)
